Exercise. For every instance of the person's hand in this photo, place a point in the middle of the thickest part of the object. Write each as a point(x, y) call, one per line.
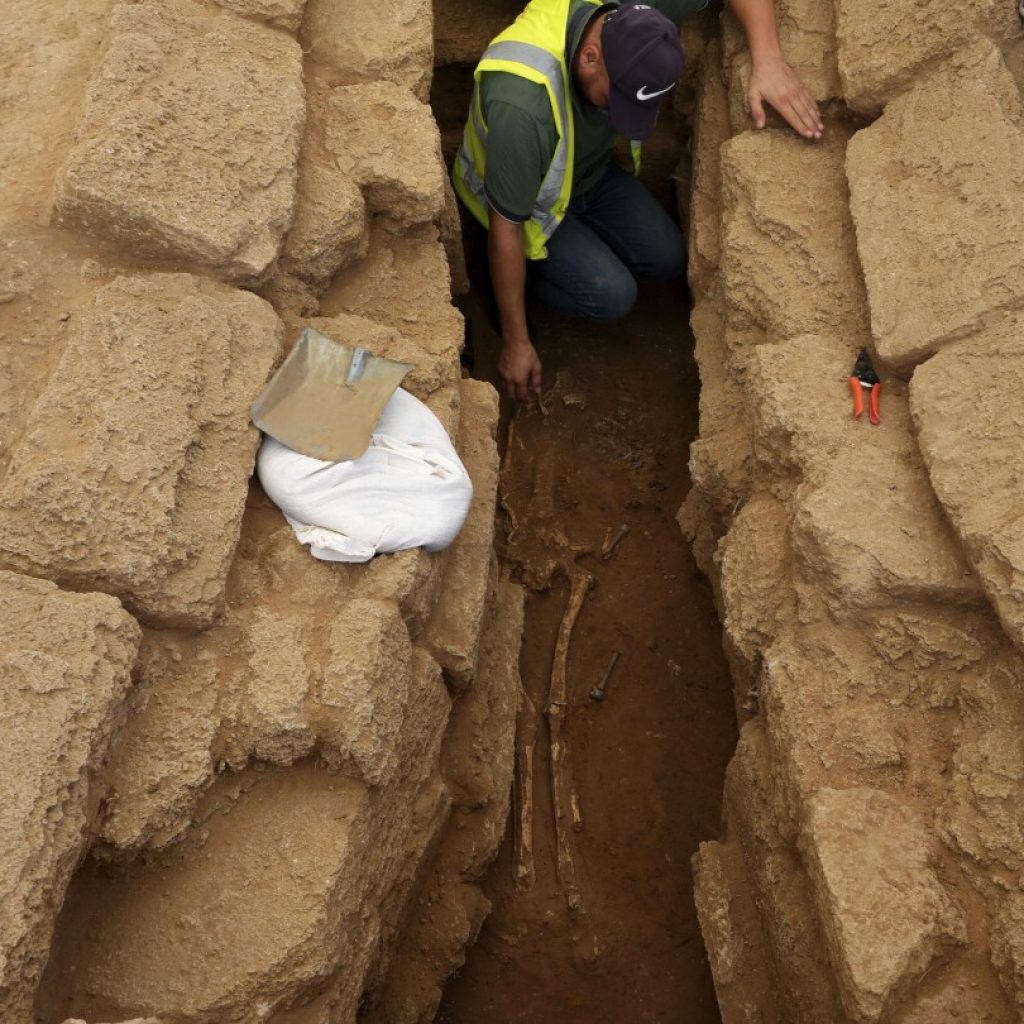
point(773, 81)
point(519, 368)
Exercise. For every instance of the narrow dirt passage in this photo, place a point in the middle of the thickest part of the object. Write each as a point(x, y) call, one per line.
point(649, 760)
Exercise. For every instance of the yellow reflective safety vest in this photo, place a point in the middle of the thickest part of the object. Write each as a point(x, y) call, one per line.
point(534, 48)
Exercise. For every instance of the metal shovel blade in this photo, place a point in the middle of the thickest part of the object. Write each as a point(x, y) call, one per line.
point(326, 398)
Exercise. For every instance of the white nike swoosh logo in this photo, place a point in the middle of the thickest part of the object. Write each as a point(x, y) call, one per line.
point(642, 95)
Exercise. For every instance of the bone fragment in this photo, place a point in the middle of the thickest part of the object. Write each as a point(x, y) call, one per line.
point(611, 540)
point(599, 692)
point(505, 478)
point(563, 787)
point(526, 743)
point(506, 462)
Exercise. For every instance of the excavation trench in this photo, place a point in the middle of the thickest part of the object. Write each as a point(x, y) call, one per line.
point(247, 786)
point(608, 451)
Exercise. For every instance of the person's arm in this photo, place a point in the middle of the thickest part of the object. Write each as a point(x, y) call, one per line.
point(518, 365)
point(520, 144)
point(772, 80)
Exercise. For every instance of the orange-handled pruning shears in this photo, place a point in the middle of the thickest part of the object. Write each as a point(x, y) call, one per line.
point(864, 379)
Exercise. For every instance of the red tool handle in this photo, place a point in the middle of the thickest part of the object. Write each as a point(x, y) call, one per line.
point(874, 404)
point(858, 397)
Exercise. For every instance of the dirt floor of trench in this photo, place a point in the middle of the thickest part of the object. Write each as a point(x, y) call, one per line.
point(649, 760)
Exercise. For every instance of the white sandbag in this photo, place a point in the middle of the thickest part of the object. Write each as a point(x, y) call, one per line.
point(409, 490)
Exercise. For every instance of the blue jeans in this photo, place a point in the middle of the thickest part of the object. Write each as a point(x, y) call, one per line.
point(615, 231)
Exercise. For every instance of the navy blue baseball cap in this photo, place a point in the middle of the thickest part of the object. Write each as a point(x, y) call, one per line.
point(644, 61)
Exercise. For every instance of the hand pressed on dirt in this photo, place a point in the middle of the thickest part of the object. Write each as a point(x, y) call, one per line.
point(774, 82)
point(520, 370)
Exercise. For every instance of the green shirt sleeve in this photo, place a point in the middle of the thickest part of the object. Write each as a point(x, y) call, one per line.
point(520, 142)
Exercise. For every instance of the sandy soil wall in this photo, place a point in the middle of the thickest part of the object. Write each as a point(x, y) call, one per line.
point(870, 579)
point(239, 782)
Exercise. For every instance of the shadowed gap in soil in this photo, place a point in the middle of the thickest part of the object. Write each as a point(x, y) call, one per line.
point(648, 761)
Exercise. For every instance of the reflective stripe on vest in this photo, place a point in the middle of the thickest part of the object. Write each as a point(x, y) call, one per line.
point(538, 65)
point(551, 187)
point(545, 205)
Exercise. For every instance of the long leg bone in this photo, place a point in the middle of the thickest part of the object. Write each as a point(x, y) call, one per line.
point(563, 788)
point(526, 742)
